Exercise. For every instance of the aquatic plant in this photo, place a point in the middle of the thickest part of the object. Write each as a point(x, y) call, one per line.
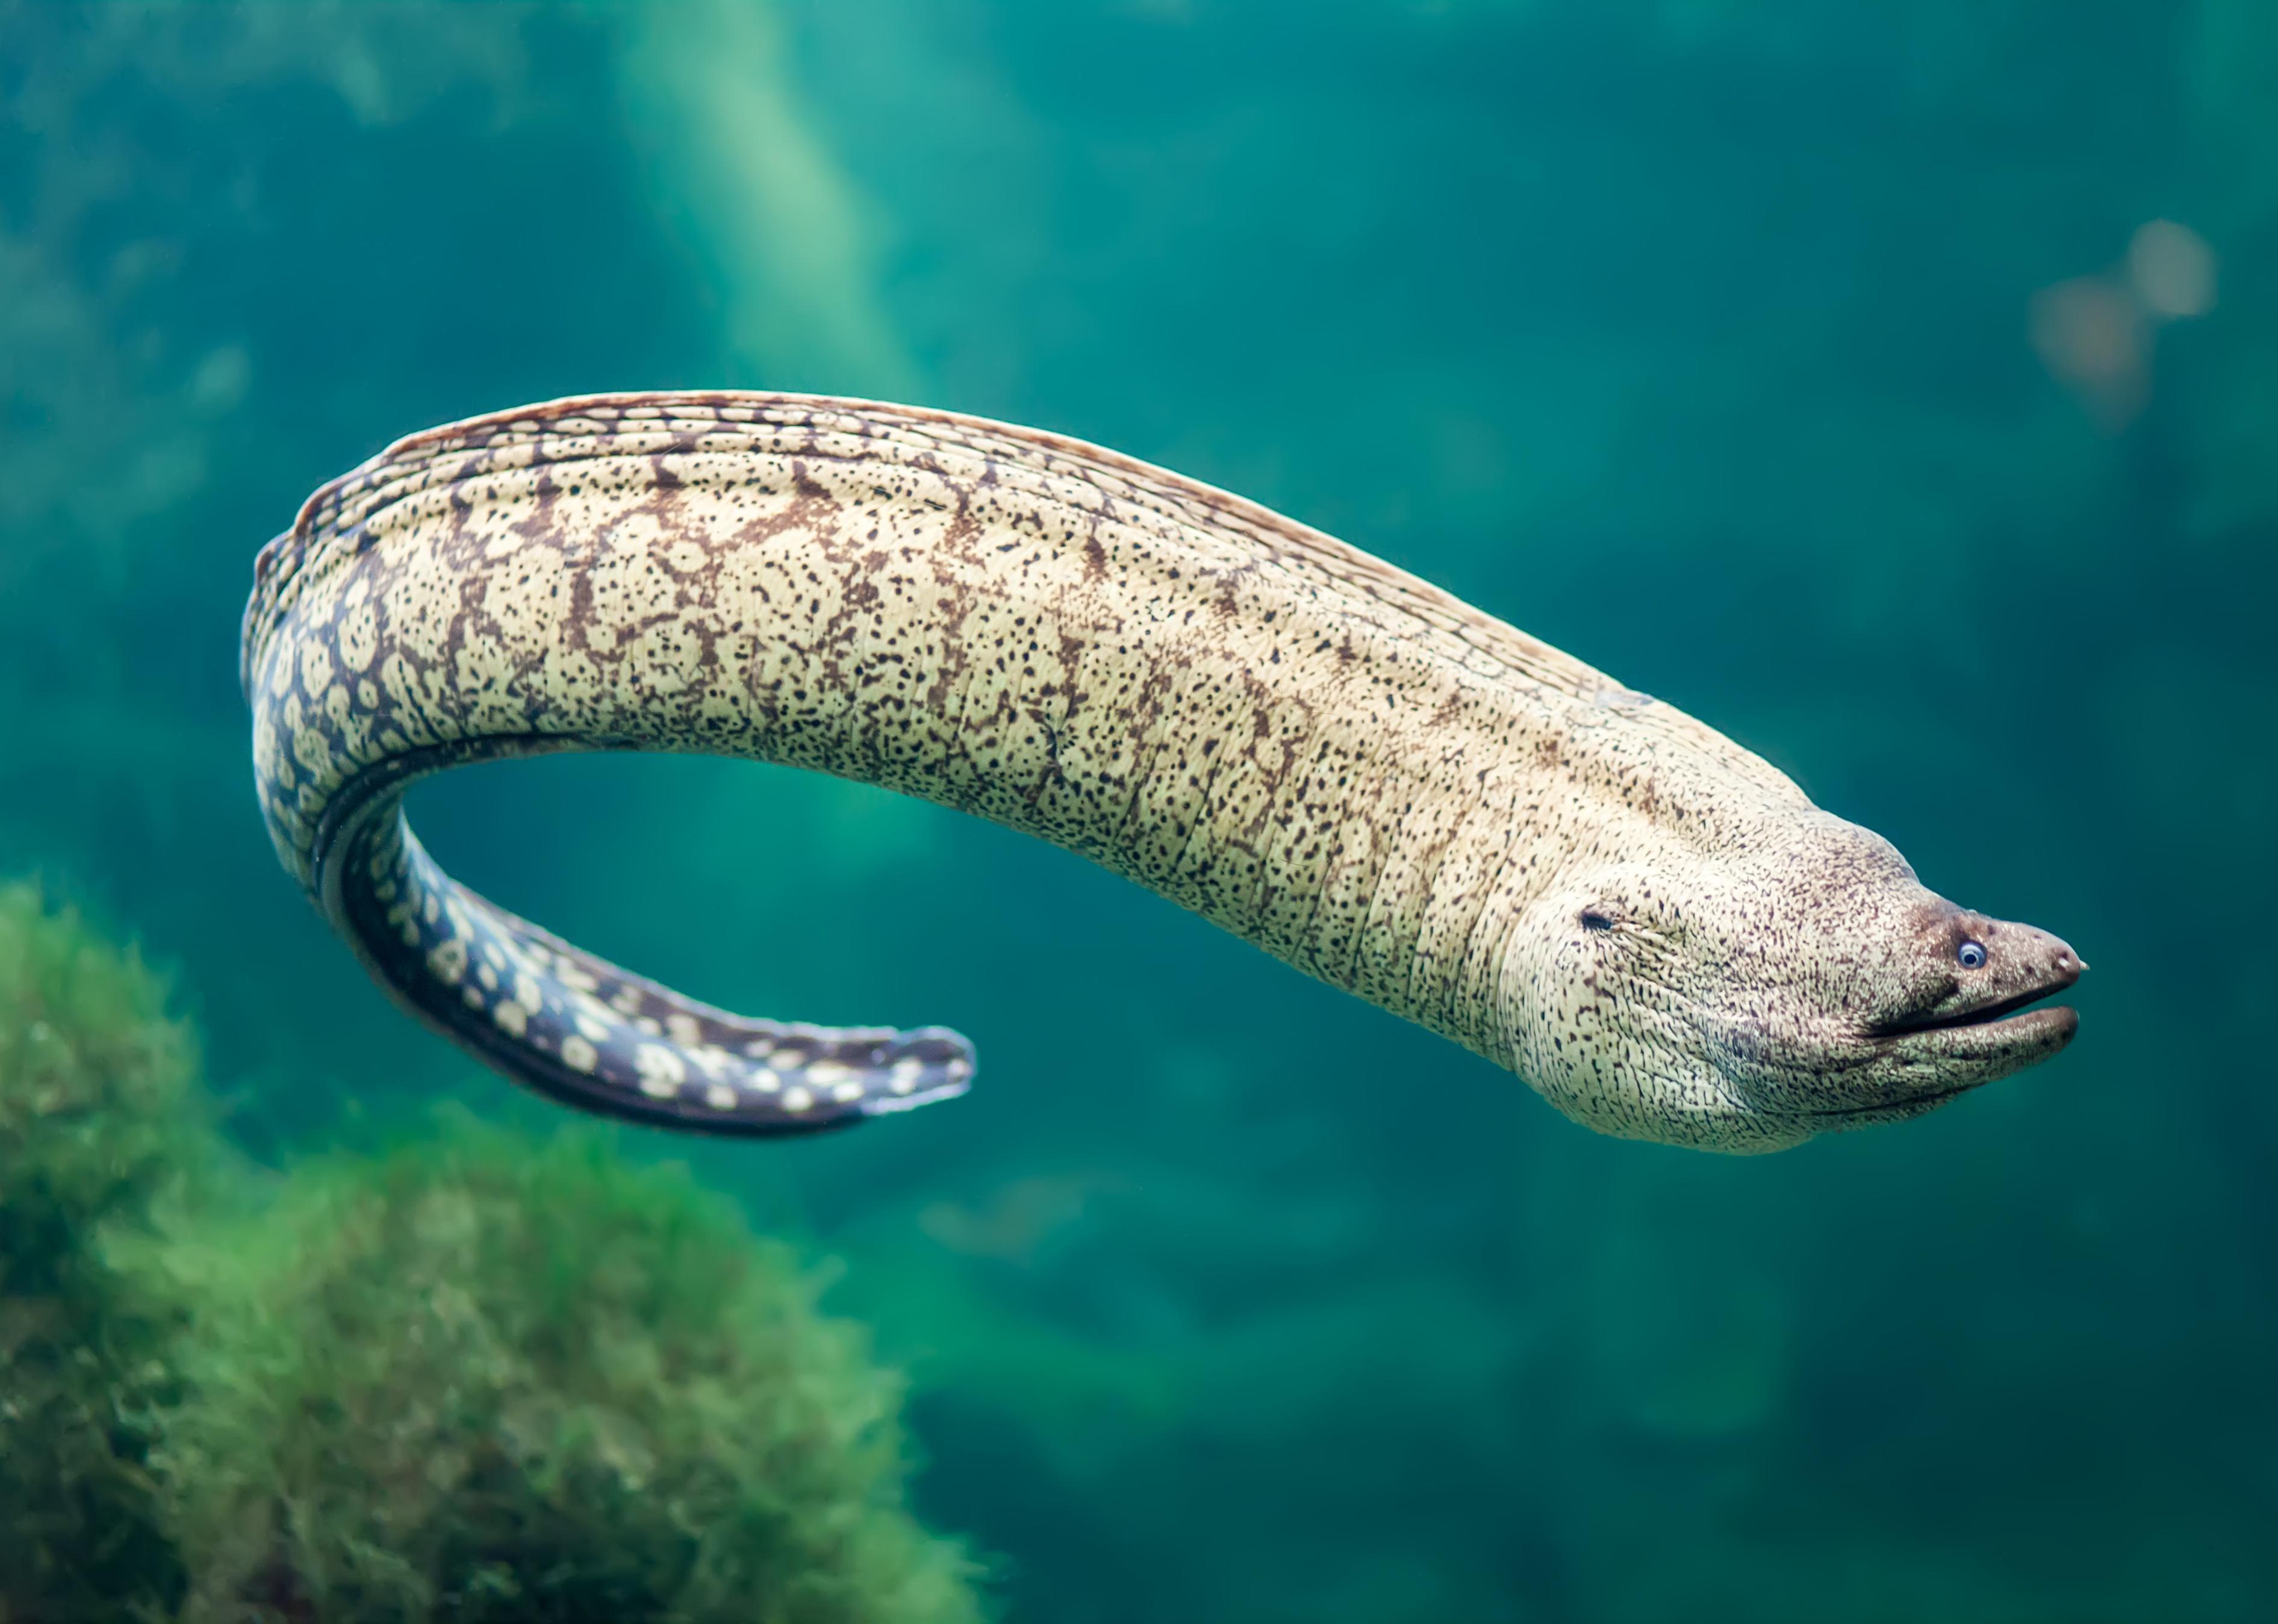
point(478, 1377)
point(486, 1378)
point(99, 1118)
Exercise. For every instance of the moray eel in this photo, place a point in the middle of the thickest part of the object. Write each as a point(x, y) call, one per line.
point(1330, 758)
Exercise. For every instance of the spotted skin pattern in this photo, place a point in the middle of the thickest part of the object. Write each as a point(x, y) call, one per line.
point(595, 1037)
point(1326, 755)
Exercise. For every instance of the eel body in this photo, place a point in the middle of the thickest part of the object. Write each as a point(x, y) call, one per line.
point(1318, 752)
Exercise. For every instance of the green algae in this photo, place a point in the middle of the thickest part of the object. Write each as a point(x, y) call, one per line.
point(487, 1378)
point(99, 1120)
point(479, 1376)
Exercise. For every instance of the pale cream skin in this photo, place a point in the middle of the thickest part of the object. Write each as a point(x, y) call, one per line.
point(1333, 759)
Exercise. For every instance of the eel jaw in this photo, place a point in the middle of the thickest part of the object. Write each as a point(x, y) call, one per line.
point(1993, 1012)
point(1996, 1020)
point(1937, 1056)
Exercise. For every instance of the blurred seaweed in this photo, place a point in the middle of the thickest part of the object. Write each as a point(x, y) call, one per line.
point(479, 1376)
point(100, 1123)
point(483, 1377)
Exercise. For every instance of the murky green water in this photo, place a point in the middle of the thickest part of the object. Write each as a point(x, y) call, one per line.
point(1819, 369)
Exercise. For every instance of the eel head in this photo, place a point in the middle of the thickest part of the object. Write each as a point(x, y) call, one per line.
point(1746, 995)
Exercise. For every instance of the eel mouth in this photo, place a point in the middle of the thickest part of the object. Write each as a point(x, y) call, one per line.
point(1924, 1060)
point(1995, 1013)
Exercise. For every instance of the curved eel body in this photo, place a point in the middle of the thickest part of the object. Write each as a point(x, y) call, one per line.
point(1329, 757)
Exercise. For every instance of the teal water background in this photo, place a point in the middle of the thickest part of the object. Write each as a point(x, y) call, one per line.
point(1786, 360)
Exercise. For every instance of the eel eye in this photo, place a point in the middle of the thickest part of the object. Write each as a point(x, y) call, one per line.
point(1970, 955)
point(1593, 920)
